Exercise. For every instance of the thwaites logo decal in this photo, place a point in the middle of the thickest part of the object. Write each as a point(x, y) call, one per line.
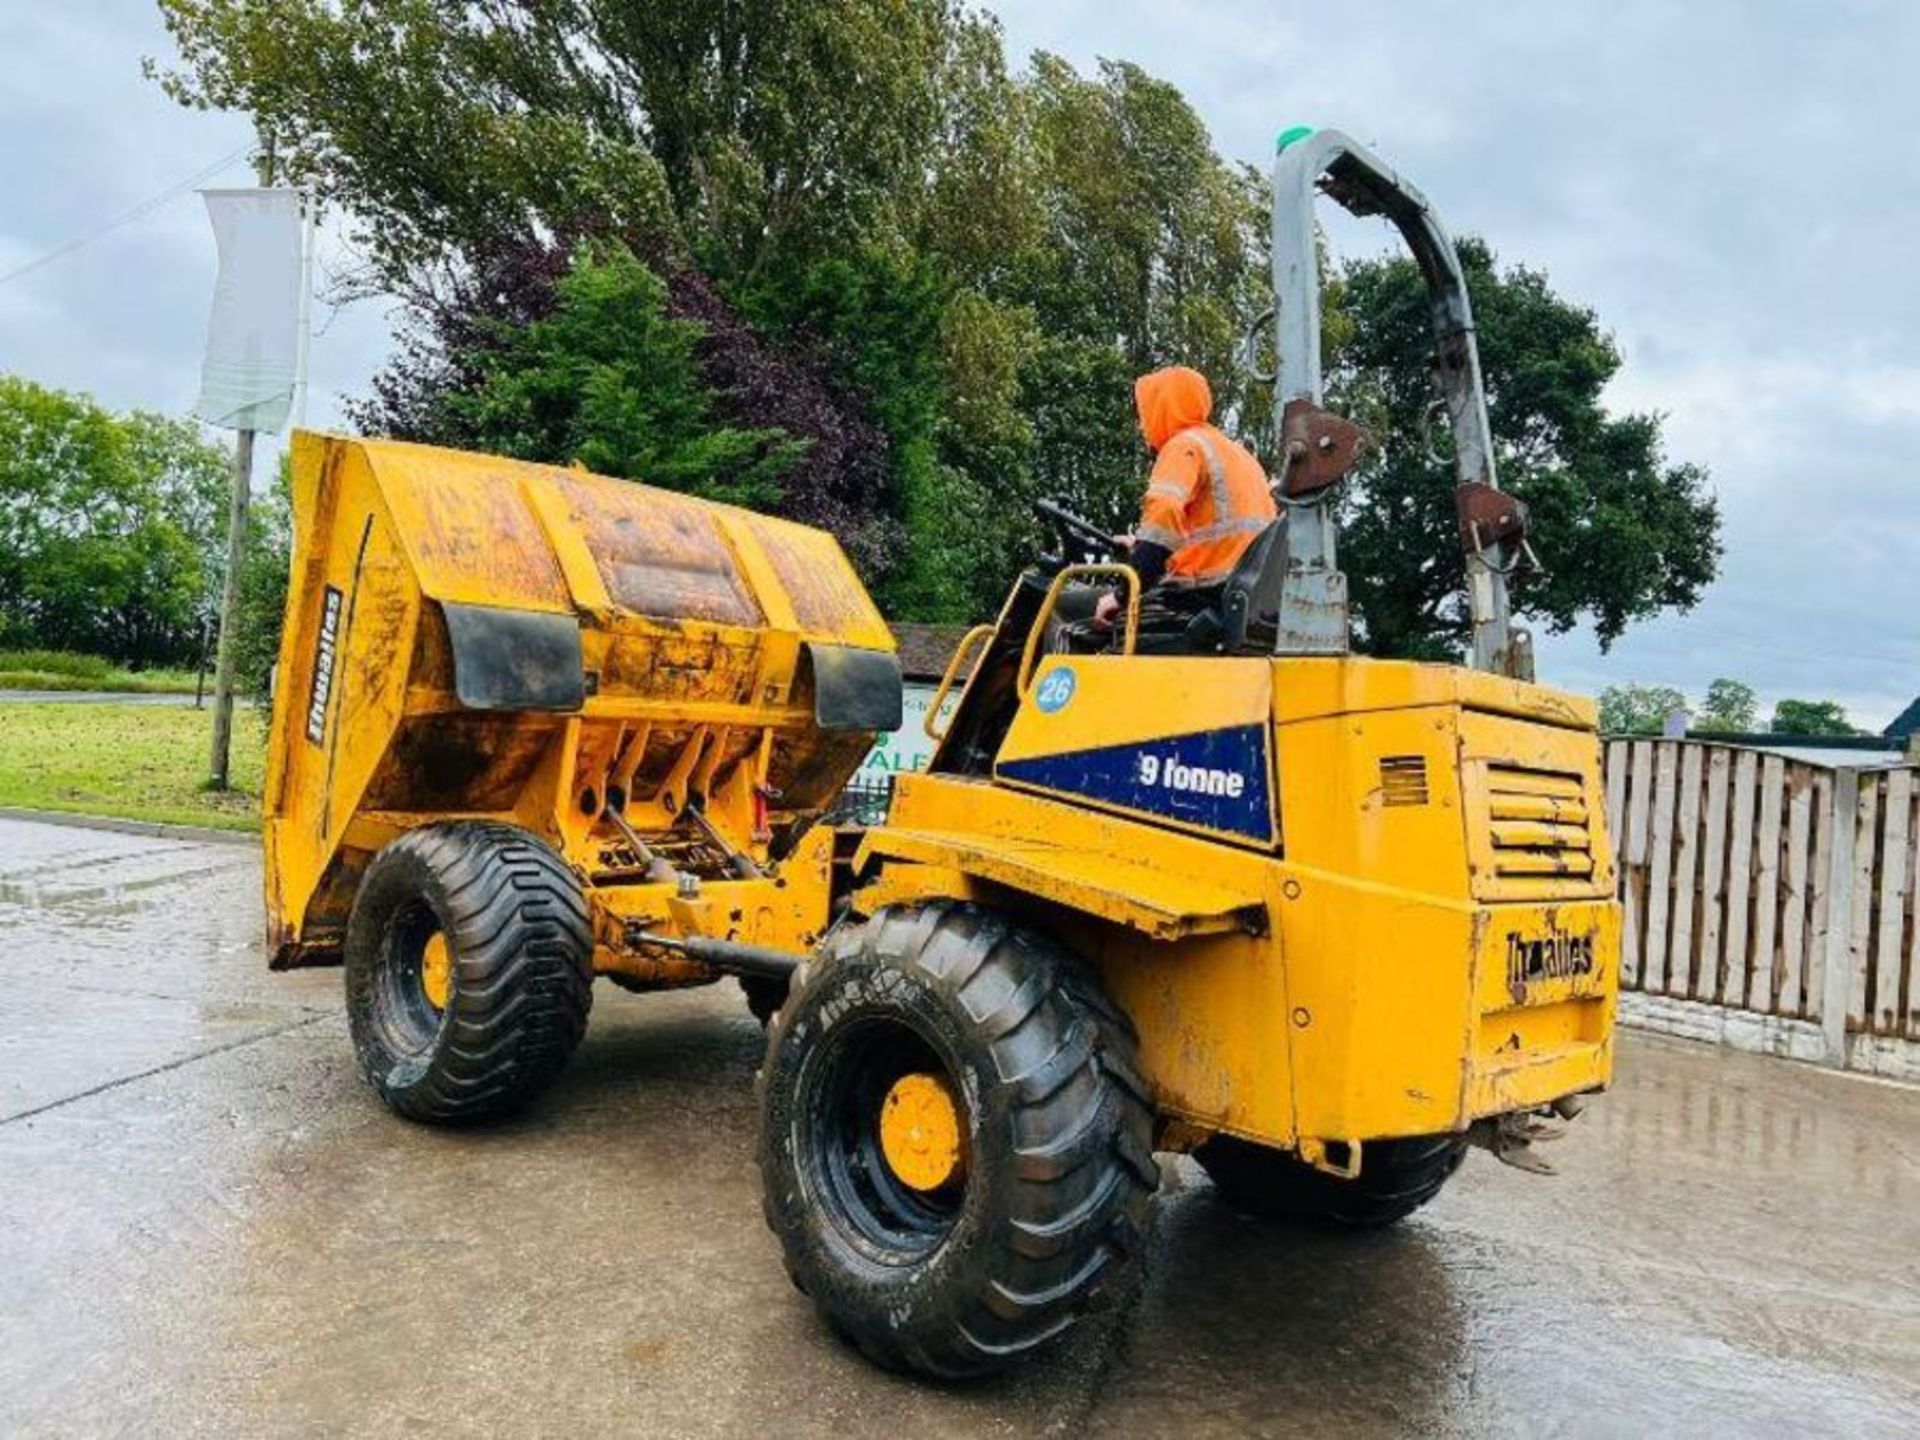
point(1216, 779)
point(326, 655)
point(1553, 956)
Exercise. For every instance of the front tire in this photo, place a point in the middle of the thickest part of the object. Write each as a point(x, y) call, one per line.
point(955, 1247)
point(468, 970)
point(1396, 1178)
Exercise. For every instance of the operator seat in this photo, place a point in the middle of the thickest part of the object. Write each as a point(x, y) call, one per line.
point(1250, 596)
point(1240, 616)
point(1242, 620)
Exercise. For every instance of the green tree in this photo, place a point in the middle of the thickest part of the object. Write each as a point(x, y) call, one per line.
point(1150, 254)
point(744, 131)
point(1119, 241)
point(729, 145)
point(110, 526)
point(938, 275)
point(1730, 708)
point(1811, 717)
point(806, 150)
point(1621, 532)
point(263, 589)
point(871, 319)
point(1638, 709)
point(610, 380)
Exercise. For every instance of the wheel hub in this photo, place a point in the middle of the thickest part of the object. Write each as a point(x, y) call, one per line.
point(436, 970)
point(920, 1132)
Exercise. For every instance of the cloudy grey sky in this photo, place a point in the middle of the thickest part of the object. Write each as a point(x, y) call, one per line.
point(1734, 187)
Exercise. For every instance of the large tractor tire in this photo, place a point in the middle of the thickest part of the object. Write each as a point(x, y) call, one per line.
point(1396, 1178)
point(469, 970)
point(956, 1146)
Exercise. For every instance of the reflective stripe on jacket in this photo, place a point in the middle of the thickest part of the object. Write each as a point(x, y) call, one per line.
point(1205, 502)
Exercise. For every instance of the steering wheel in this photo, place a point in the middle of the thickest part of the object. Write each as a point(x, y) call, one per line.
point(1079, 537)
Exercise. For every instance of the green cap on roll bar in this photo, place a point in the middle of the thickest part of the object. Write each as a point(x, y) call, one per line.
point(1291, 134)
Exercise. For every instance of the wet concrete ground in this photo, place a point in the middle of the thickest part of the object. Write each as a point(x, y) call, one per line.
point(208, 1225)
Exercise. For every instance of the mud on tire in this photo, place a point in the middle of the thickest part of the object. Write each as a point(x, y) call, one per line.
point(1396, 1178)
point(516, 982)
point(1050, 1205)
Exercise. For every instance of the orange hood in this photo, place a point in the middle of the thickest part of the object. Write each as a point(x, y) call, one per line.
point(1169, 401)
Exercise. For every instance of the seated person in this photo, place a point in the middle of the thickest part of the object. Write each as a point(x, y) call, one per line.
point(1206, 499)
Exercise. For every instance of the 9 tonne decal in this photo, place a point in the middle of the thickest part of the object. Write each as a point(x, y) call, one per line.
point(1216, 779)
point(1170, 773)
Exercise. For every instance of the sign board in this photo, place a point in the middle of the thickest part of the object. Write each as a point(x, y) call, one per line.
point(907, 750)
point(253, 334)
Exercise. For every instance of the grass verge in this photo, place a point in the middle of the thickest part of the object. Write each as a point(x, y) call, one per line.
point(139, 762)
point(59, 670)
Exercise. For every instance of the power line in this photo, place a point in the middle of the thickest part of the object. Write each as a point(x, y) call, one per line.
point(127, 217)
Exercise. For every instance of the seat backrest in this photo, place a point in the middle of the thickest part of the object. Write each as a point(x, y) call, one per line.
point(1252, 591)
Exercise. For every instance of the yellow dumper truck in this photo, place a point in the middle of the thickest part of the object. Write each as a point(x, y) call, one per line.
point(1198, 882)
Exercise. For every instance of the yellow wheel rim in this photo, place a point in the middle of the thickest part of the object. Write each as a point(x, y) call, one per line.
point(920, 1132)
point(436, 971)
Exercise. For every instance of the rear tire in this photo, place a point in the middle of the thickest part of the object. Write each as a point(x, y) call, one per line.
point(468, 970)
point(1396, 1178)
point(1046, 1205)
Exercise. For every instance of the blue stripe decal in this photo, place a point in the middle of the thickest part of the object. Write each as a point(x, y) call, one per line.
point(1217, 778)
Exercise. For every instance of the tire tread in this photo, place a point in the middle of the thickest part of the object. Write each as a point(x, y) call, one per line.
point(1064, 1058)
point(517, 921)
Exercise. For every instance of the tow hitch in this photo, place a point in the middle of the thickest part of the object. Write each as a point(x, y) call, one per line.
point(1511, 1137)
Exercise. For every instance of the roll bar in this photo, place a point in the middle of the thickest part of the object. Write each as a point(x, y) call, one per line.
point(1318, 447)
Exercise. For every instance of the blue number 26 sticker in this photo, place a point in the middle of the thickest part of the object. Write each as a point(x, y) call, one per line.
point(1054, 690)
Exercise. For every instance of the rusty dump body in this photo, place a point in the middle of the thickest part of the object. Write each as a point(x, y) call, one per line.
point(636, 677)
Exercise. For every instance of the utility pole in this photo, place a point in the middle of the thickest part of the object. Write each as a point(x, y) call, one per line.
point(217, 777)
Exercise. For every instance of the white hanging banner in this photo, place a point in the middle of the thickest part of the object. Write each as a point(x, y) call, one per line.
point(247, 380)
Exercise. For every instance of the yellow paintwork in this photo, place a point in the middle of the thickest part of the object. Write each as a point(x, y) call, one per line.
point(1348, 980)
point(436, 970)
point(920, 1132)
point(1197, 693)
point(1129, 579)
point(693, 618)
point(930, 722)
point(1149, 898)
point(1418, 933)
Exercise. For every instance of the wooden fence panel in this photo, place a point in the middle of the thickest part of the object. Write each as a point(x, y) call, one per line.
point(1885, 1013)
point(1713, 873)
point(1766, 884)
point(1902, 1002)
point(1660, 870)
point(1910, 982)
point(1866, 834)
point(1820, 912)
point(1731, 987)
point(1775, 888)
point(1790, 975)
point(1681, 968)
point(1634, 877)
point(1617, 753)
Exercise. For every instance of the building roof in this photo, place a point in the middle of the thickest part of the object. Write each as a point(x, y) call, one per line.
point(1856, 752)
point(1833, 759)
point(926, 649)
point(1905, 723)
